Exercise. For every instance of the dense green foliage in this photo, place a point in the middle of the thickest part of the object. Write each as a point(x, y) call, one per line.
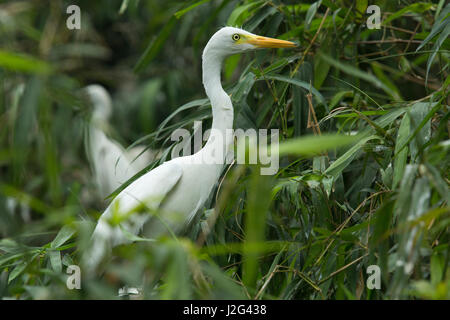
point(310, 231)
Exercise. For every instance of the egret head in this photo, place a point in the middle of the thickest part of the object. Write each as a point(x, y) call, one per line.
point(229, 40)
point(101, 101)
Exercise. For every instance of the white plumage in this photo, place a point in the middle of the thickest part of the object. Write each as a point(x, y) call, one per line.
point(112, 165)
point(169, 196)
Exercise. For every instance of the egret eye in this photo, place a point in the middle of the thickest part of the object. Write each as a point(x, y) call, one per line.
point(236, 37)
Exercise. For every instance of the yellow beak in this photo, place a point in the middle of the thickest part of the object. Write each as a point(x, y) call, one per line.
point(264, 42)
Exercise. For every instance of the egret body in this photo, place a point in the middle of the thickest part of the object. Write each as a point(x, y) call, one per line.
point(112, 165)
point(170, 195)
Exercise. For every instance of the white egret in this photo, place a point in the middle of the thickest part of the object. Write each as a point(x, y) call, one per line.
point(112, 165)
point(178, 188)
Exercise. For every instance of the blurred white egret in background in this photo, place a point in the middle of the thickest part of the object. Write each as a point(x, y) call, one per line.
point(13, 206)
point(111, 163)
point(170, 195)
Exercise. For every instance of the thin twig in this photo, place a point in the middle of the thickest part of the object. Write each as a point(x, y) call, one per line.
point(312, 124)
point(386, 41)
point(341, 269)
point(266, 283)
point(411, 38)
point(310, 44)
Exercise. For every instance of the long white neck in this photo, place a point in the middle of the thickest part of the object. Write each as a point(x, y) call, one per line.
point(222, 108)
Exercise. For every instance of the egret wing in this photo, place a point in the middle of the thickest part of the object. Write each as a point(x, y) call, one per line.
point(130, 210)
point(140, 156)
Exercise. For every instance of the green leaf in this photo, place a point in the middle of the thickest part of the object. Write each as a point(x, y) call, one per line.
point(355, 72)
point(8, 245)
point(395, 92)
point(299, 83)
point(123, 6)
point(63, 235)
point(277, 65)
point(312, 145)
point(255, 224)
point(321, 69)
point(436, 268)
point(418, 7)
point(55, 260)
point(379, 240)
point(442, 37)
point(230, 65)
point(389, 117)
point(182, 12)
point(155, 46)
point(343, 161)
point(315, 24)
point(23, 63)
point(241, 13)
point(404, 193)
point(312, 10)
point(300, 102)
point(18, 269)
point(242, 88)
point(361, 7)
point(438, 181)
point(134, 238)
point(439, 24)
point(251, 24)
point(338, 97)
point(178, 284)
point(421, 114)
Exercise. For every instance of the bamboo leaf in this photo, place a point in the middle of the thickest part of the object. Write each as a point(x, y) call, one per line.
point(155, 45)
point(338, 166)
point(299, 83)
point(23, 63)
point(312, 10)
point(62, 237)
point(351, 70)
point(311, 145)
point(55, 260)
point(182, 12)
point(17, 271)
